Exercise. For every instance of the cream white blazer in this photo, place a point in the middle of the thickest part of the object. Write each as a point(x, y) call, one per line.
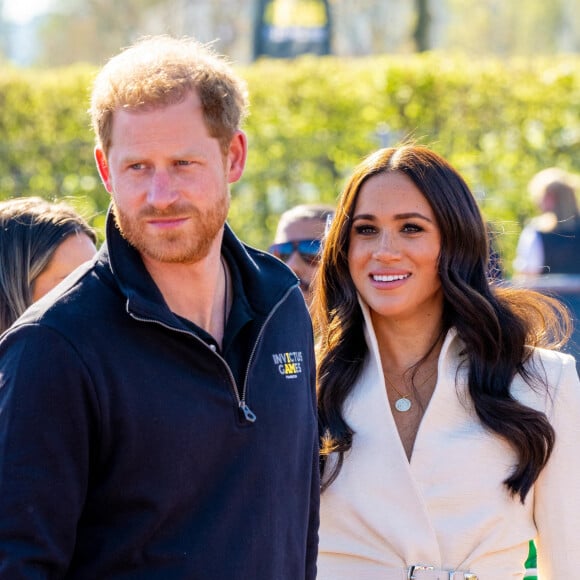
point(447, 507)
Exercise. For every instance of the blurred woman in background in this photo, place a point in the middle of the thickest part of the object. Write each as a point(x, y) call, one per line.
point(550, 242)
point(40, 244)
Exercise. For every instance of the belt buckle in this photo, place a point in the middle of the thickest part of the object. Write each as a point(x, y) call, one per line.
point(418, 568)
point(422, 568)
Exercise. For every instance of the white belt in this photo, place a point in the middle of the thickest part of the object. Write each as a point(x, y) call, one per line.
point(424, 572)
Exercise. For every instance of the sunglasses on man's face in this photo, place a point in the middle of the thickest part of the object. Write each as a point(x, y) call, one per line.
point(309, 250)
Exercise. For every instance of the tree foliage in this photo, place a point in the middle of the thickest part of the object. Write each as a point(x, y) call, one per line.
point(91, 31)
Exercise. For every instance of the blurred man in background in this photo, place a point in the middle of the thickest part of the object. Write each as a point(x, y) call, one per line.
point(298, 240)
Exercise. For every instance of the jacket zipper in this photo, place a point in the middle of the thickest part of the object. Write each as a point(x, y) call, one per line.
point(249, 415)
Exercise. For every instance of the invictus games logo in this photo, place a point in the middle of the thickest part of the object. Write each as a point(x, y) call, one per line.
point(289, 364)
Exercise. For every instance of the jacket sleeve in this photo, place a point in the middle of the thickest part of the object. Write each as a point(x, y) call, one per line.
point(557, 497)
point(44, 452)
point(312, 546)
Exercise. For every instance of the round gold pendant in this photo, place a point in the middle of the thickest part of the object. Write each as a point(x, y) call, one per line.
point(403, 404)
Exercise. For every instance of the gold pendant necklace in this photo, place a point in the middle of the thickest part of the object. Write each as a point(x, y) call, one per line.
point(403, 403)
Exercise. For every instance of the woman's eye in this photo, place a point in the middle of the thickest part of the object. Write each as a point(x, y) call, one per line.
point(365, 229)
point(412, 228)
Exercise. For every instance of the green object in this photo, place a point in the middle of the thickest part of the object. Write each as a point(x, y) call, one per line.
point(531, 563)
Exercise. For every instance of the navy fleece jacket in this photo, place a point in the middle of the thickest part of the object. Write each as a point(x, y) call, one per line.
point(127, 448)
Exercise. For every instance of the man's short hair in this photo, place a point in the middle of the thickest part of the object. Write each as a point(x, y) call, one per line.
point(161, 70)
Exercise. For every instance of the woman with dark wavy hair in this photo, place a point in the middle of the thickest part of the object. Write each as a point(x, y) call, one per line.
point(449, 420)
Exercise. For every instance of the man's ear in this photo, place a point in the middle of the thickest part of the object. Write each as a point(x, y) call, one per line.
point(103, 168)
point(237, 154)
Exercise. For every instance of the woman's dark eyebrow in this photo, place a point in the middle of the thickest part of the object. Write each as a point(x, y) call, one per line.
point(411, 215)
point(399, 216)
point(363, 216)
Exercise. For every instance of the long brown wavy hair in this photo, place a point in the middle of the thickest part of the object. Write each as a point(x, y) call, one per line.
point(496, 323)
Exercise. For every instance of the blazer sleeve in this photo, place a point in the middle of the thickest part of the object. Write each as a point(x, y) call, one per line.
point(44, 452)
point(557, 490)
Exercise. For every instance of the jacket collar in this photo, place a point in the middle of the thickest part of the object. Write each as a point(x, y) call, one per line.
point(264, 279)
point(451, 350)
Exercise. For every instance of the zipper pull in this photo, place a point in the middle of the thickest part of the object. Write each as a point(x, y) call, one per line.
point(248, 413)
